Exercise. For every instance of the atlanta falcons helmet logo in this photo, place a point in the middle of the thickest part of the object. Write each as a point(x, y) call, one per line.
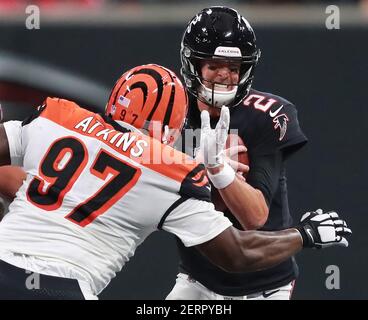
point(281, 121)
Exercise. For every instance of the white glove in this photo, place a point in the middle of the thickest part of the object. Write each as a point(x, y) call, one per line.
point(212, 142)
point(211, 148)
point(321, 230)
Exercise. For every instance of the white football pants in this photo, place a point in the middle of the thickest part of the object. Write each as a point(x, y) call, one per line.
point(186, 288)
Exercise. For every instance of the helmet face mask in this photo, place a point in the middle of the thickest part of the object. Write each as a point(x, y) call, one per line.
point(150, 98)
point(218, 34)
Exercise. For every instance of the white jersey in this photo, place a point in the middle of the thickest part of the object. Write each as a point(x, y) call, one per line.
point(91, 197)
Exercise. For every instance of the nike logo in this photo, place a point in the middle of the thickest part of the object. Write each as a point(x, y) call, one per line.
point(275, 113)
point(270, 293)
point(309, 233)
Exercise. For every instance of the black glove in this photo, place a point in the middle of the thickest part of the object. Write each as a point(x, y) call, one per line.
point(321, 230)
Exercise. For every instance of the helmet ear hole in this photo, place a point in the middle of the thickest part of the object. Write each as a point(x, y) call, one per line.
point(218, 33)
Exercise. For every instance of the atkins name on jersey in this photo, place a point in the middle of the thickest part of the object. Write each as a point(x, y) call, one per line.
point(126, 140)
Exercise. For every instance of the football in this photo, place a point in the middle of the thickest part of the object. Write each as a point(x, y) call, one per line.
point(242, 157)
point(232, 141)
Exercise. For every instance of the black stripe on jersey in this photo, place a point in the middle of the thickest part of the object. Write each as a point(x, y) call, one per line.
point(168, 211)
point(191, 188)
point(34, 115)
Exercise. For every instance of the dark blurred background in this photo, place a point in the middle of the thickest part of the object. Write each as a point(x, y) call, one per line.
point(82, 47)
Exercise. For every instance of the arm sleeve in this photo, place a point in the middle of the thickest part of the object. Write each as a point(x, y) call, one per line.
point(265, 173)
point(195, 222)
point(13, 131)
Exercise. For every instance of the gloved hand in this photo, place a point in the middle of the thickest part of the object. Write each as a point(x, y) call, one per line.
point(212, 142)
point(321, 230)
point(211, 149)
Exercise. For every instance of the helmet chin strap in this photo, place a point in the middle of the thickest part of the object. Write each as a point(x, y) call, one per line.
point(216, 98)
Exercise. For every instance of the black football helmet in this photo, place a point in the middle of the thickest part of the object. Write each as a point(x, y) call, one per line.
point(218, 33)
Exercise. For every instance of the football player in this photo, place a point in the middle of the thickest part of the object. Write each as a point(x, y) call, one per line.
point(219, 56)
point(96, 187)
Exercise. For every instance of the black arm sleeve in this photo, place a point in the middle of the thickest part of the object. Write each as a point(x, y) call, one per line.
point(265, 172)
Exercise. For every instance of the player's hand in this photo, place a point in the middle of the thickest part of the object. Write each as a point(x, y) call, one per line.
point(321, 230)
point(212, 142)
point(211, 149)
point(231, 157)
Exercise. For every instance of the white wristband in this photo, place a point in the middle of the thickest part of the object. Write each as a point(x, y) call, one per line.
point(222, 179)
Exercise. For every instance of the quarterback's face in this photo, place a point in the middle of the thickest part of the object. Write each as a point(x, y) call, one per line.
point(221, 72)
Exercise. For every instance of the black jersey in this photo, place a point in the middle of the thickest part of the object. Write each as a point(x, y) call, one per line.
point(269, 127)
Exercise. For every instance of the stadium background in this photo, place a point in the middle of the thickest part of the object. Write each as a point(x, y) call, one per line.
point(81, 49)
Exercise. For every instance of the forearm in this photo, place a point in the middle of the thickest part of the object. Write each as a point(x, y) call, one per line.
point(11, 179)
point(248, 251)
point(246, 203)
point(262, 250)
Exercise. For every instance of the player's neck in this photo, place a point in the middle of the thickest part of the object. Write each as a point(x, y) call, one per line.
point(214, 112)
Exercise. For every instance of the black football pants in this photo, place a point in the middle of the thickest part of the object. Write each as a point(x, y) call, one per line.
point(19, 284)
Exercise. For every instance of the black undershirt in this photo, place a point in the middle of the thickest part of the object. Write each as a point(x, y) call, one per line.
point(265, 174)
